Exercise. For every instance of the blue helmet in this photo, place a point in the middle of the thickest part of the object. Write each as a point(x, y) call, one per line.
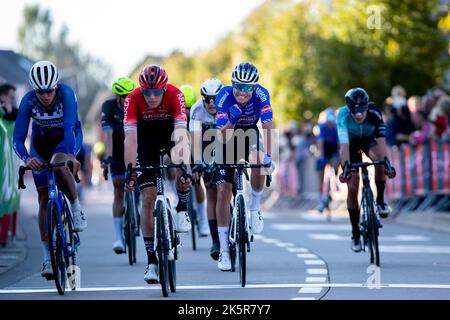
point(245, 73)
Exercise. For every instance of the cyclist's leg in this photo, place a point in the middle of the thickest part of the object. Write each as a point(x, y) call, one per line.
point(320, 169)
point(353, 189)
point(201, 210)
point(377, 152)
point(211, 204)
point(224, 193)
point(118, 210)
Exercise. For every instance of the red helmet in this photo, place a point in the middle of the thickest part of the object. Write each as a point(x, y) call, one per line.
point(153, 77)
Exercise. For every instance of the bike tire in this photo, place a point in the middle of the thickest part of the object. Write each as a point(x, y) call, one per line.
point(172, 263)
point(242, 241)
point(373, 230)
point(162, 249)
point(55, 248)
point(72, 243)
point(193, 217)
point(129, 231)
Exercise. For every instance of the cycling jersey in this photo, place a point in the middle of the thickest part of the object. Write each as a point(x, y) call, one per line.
point(112, 120)
point(172, 107)
point(199, 115)
point(61, 123)
point(154, 127)
point(257, 108)
point(329, 137)
point(349, 129)
point(112, 116)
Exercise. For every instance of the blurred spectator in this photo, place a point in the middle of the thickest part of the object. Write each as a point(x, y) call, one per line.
point(422, 126)
point(8, 102)
point(400, 126)
point(439, 117)
point(303, 146)
point(431, 98)
point(287, 174)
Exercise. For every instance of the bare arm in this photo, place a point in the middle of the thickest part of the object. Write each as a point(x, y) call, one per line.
point(108, 143)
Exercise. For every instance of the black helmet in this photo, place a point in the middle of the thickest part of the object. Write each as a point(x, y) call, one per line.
point(356, 97)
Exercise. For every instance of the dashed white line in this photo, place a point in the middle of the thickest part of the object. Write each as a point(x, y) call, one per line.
point(310, 290)
point(316, 271)
point(294, 250)
point(307, 256)
point(284, 244)
point(314, 262)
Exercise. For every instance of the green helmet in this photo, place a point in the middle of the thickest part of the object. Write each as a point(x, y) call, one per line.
point(123, 86)
point(189, 95)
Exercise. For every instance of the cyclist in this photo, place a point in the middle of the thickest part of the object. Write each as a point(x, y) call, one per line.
point(241, 106)
point(203, 118)
point(153, 112)
point(56, 136)
point(328, 153)
point(112, 125)
point(361, 128)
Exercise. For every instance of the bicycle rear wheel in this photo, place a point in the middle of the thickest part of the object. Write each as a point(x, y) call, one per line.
point(56, 248)
point(193, 217)
point(242, 240)
point(162, 249)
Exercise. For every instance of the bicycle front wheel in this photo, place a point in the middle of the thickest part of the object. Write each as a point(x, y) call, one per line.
point(130, 237)
point(372, 232)
point(242, 240)
point(162, 248)
point(172, 262)
point(56, 248)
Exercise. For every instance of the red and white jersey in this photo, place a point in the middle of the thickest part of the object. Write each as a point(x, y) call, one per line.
point(172, 107)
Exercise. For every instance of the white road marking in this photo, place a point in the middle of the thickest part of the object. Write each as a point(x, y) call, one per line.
point(306, 256)
point(314, 262)
point(284, 244)
point(337, 237)
point(297, 250)
point(238, 287)
point(303, 298)
point(315, 279)
point(310, 290)
point(316, 271)
point(310, 226)
point(268, 240)
point(415, 249)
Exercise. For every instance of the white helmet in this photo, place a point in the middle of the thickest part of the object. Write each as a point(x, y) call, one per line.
point(43, 75)
point(211, 87)
point(245, 73)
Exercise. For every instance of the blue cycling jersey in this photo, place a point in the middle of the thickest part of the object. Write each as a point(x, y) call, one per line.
point(257, 108)
point(349, 129)
point(62, 121)
point(328, 134)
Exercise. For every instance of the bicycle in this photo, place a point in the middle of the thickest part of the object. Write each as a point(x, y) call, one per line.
point(239, 233)
point(63, 240)
point(370, 223)
point(131, 217)
point(166, 239)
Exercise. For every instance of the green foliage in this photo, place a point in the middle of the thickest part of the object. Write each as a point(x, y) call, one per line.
point(309, 53)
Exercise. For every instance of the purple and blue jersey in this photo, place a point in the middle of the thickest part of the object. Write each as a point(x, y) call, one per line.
point(61, 122)
point(257, 108)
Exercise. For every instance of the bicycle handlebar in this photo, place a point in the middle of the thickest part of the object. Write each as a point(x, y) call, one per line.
point(45, 166)
point(353, 167)
point(106, 162)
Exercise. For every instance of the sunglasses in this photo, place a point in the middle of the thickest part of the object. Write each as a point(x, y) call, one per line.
point(154, 92)
point(358, 109)
point(208, 99)
point(243, 87)
point(45, 91)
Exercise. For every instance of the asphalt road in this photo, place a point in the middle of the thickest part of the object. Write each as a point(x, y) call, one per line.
point(299, 256)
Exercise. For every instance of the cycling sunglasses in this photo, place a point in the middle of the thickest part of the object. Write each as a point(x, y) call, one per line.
point(243, 87)
point(207, 99)
point(45, 91)
point(358, 109)
point(155, 92)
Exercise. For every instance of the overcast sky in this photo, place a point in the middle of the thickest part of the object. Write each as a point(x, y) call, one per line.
point(123, 32)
